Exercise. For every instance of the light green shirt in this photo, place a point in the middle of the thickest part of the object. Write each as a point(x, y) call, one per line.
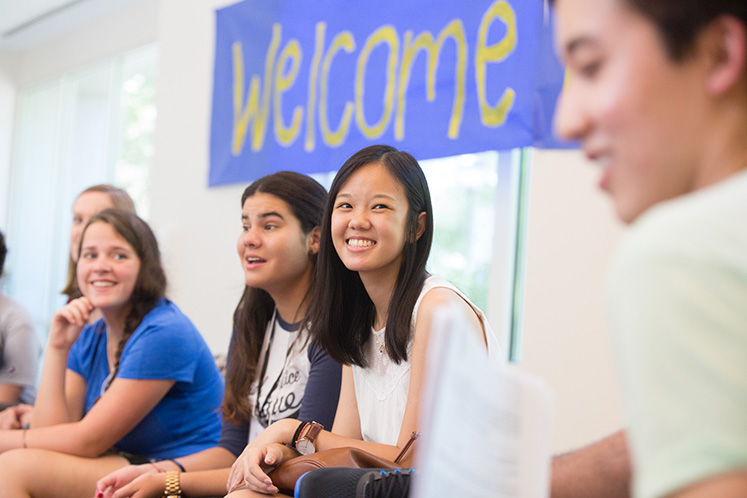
point(678, 309)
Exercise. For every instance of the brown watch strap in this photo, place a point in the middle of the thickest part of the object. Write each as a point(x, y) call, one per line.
point(313, 432)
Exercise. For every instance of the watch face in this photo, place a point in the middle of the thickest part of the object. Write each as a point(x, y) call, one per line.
point(305, 447)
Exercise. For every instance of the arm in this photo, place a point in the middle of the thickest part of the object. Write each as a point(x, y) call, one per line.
point(280, 433)
point(145, 481)
point(600, 469)
point(322, 391)
point(118, 411)
point(10, 393)
point(130, 480)
point(152, 485)
point(61, 395)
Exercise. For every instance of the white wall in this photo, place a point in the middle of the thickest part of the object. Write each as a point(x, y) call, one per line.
point(197, 227)
point(572, 235)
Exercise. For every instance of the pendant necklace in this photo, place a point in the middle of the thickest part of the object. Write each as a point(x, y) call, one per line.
point(380, 345)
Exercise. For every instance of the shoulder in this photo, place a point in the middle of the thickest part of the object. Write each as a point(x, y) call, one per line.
point(316, 352)
point(166, 326)
point(702, 229)
point(12, 311)
point(166, 317)
point(438, 291)
point(697, 218)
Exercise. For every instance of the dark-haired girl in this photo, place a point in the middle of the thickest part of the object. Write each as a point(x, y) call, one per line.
point(274, 370)
point(372, 311)
point(139, 383)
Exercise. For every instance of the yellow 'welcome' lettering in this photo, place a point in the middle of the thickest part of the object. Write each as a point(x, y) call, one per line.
point(424, 42)
point(284, 80)
point(383, 35)
point(494, 116)
point(251, 107)
point(242, 114)
point(343, 41)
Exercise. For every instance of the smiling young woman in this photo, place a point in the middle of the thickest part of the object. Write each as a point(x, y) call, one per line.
point(114, 391)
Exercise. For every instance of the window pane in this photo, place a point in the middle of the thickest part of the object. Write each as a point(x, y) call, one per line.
point(34, 195)
point(137, 122)
point(475, 207)
point(90, 126)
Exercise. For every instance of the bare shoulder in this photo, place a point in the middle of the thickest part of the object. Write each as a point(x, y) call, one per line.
point(440, 296)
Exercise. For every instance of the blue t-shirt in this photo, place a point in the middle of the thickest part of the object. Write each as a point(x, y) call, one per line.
point(166, 345)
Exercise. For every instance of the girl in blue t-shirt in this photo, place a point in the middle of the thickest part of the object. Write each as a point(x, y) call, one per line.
point(274, 371)
point(139, 383)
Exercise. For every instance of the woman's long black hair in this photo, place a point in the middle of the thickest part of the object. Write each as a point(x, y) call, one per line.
point(306, 197)
point(340, 313)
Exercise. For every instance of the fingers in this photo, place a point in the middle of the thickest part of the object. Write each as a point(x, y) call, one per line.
point(104, 482)
point(119, 478)
point(67, 323)
point(141, 487)
point(10, 419)
point(104, 491)
point(76, 312)
point(247, 470)
point(23, 408)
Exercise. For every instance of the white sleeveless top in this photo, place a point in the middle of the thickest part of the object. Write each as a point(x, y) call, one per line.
point(381, 389)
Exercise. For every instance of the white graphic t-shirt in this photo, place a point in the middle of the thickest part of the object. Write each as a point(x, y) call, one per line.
point(282, 374)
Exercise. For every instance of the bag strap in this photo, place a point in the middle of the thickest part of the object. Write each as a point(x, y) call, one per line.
point(412, 439)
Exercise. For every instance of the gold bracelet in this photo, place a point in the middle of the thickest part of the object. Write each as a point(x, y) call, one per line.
point(173, 490)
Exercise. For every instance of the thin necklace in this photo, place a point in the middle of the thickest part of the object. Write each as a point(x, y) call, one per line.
point(380, 345)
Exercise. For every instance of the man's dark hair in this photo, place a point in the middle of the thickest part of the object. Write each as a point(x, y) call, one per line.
point(679, 21)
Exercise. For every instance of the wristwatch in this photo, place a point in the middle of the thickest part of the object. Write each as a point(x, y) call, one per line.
point(307, 437)
point(173, 489)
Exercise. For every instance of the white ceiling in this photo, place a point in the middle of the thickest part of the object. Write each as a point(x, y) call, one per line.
point(25, 23)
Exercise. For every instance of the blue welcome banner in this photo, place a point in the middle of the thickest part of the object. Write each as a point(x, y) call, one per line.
point(301, 85)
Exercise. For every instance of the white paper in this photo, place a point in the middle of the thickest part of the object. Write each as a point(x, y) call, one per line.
point(485, 428)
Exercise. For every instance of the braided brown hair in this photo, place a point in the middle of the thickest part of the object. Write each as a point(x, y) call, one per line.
point(150, 286)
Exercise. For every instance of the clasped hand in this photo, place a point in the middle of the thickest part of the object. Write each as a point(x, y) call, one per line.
point(137, 481)
point(68, 321)
point(250, 469)
point(15, 417)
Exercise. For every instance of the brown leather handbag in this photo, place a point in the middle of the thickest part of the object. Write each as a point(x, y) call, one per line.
point(285, 475)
